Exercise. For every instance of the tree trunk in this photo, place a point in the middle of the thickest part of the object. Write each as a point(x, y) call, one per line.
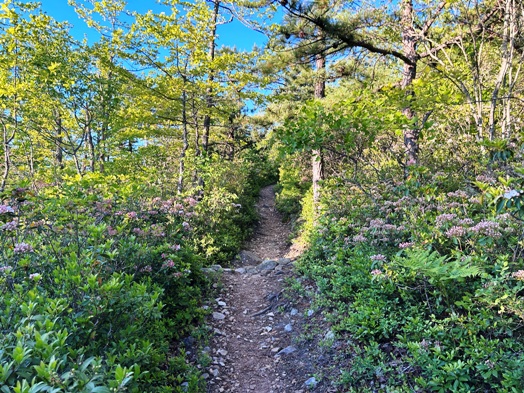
point(59, 157)
point(409, 47)
point(507, 59)
point(317, 160)
point(7, 157)
point(185, 144)
point(209, 91)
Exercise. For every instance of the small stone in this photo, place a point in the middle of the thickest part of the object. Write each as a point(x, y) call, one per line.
point(275, 349)
point(310, 313)
point(251, 269)
point(214, 371)
point(219, 332)
point(286, 351)
point(266, 265)
point(222, 352)
point(311, 382)
point(222, 304)
point(293, 311)
point(329, 335)
point(240, 270)
point(288, 327)
point(249, 257)
point(218, 316)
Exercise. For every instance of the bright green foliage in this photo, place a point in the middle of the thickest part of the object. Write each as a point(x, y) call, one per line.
point(100, 265)
point(437, 269)
point(100, 276)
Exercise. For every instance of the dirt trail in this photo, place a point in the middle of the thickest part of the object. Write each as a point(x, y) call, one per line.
point(253, 325)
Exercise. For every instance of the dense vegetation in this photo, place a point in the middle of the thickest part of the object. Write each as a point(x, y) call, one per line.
point(118, 186)
point(131, 162)
point(416, 240)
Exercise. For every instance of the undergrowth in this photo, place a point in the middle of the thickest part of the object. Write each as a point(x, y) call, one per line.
point(101, 279)
point(422, 280)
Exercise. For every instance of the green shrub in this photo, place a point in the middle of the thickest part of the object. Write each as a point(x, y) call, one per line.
point(420, 280)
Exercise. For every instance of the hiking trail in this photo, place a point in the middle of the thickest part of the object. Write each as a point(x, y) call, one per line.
point(253, 347)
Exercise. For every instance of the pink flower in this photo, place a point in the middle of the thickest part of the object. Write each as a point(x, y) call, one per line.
point(9, 226)
point(175, 247)
point(389, 227)
point(131, 215)
point(486, 179)
point(457, 194)
point(21, 248)
point(168, 264)
point(146, 269)
point(6, 209)
point(376, 272)
point(487, 228)
point(377, 223)
point(466, 221)
point(138, 231)
point(444, 218)
point(519, 275)
point(406, 245)
point(456, 231)
point(111, 231)
point(359, 239)
point(191, 201)
point(378, 257)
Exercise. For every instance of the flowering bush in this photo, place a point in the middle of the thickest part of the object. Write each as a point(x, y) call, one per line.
point(424, 282)
point(100, 278)
point(86, 282)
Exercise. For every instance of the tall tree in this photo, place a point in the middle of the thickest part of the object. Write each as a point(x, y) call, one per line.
point(358, 28)
point(317, 155)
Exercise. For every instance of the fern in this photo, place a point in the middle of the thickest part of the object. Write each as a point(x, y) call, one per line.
point(437, 268)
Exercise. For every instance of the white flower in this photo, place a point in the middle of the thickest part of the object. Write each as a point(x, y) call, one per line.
point(511, 194)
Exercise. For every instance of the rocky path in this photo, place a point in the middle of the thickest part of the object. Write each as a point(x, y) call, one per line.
point(253, 348)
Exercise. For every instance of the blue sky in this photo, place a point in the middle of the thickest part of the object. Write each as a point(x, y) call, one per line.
point(232, 34)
